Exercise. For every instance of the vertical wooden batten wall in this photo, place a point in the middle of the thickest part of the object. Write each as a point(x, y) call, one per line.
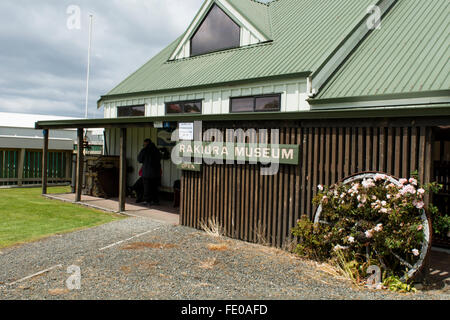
point(123, 169)
point(258, 208)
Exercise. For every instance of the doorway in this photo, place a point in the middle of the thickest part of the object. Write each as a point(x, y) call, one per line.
point(441, 174)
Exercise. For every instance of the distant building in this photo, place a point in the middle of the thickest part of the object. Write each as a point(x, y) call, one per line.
point(21, 149)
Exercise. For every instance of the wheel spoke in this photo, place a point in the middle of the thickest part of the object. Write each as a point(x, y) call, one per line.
point(402, 261)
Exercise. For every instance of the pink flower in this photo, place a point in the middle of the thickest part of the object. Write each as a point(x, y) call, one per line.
point(369, 234)
point(383, 210)
point(378, 177)
point(339, 247)
point(421, 191)
point(379, 227)
point(413, 181)
point(320, 187)
point(415, 252)
point(419, 227)
point(408, 189)
point(403, 181)
point(368, 183)
point(420, 205)
point(351, 239)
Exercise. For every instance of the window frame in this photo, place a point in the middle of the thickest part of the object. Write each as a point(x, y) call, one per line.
point(183, 102)
point(254, 102)
point(131, 106)
point(201, 23)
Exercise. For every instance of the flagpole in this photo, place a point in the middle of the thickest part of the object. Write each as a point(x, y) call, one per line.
point(88, 65)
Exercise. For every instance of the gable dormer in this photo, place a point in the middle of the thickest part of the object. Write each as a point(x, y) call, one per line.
point(221, 25)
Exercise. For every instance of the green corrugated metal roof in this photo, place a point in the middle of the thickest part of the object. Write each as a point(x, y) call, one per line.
point(410, 53)
point(256, 12)
point(304, 33)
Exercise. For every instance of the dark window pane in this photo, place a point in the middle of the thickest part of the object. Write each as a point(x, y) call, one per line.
point(131, 111)
point(193, 107)
point(267, 103)
point(184, 107)
point(242, 104)
point(217, 32)
point(174, 108)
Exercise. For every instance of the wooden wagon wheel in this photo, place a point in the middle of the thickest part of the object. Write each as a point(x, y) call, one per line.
point(413, 270)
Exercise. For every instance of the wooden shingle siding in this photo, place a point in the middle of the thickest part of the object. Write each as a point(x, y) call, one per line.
point(253, 207)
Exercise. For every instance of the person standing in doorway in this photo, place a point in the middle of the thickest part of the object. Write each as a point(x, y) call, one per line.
point(151, 171)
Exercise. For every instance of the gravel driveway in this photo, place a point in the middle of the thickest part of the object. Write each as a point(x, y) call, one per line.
point(138, 258)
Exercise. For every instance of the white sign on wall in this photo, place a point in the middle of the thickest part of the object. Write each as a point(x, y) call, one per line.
point(186, 131)
point(158, 124)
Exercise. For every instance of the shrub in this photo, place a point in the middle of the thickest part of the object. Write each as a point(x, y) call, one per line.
point(373, 221)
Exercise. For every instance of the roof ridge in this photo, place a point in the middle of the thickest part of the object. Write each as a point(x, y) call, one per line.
point(262, 3)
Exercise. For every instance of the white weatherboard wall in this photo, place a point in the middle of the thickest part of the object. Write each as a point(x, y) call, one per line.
point(217, 100)
point(135, 140)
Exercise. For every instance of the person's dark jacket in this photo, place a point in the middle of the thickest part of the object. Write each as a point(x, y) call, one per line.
point(151, 162)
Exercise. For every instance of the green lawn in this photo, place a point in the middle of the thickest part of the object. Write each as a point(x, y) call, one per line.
point(27, 216)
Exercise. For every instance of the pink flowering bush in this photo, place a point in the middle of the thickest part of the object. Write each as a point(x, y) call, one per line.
point(372, 221)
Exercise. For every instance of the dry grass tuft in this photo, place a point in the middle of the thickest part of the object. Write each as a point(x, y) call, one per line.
point(150, 245)
point(345, 268)
point(208, 263)
point(218, 247)
point(58, 291)
point(213, 227)
point(260, 233)
point(290, 244)
point(147, 265)
point(125, 269)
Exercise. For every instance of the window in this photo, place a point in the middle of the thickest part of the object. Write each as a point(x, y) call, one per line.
point(131, 111)
point(217, 32)
point(256, 103)
point(184, 107)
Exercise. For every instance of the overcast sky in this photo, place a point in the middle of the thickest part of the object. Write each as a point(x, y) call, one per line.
point(43, 62)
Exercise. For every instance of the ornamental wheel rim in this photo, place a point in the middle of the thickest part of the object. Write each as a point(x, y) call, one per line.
point(414, 270)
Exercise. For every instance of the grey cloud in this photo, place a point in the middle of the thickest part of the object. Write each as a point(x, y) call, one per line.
point(43, 64)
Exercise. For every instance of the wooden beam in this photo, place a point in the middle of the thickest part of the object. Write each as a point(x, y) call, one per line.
point(45, 162)
point(20, 166)
point(123, 169)
point(80, 166)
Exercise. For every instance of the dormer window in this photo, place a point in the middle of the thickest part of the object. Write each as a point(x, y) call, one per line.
point(217, 32)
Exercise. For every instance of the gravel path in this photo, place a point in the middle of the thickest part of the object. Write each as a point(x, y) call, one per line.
point(169, 262)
